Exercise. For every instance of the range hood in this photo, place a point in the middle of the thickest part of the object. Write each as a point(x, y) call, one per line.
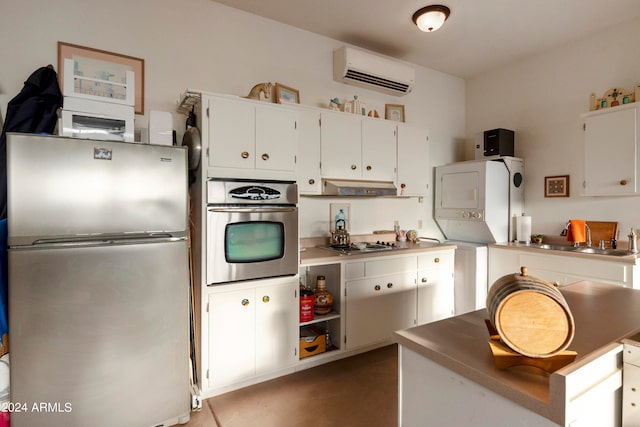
point(338, 187)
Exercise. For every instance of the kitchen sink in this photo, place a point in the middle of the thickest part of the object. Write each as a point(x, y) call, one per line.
point(555, 247)
point(613, 252)
point(582, 249)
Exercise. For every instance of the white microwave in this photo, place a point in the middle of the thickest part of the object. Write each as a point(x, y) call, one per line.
point(81, 118)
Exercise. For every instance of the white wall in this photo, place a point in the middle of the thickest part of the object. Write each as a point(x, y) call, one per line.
point(541, 99)
point(201, 44)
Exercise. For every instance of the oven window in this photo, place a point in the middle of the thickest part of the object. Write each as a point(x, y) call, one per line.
point(253, 241)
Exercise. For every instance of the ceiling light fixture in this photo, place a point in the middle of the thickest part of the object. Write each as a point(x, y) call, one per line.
point(430, 18)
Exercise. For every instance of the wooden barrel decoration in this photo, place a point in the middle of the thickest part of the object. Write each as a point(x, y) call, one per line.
point(531, 315)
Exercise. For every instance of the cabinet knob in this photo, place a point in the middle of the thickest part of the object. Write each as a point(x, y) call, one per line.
point(623, 182)
point(424, 280)
point(265, 156)
point(312, 181)
point(245, 302)
point(389, 285)
point(353, 167)
point(266, 298)
point(377, 287)
point(245, 154)
point(369, 168)
point(436, 260)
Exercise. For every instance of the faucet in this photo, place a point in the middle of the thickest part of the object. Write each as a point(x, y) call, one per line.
point(588, 234)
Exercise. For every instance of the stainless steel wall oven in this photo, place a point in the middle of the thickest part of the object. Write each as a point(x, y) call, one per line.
point(252, 230)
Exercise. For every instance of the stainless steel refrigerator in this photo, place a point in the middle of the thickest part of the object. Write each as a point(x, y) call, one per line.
point(98, 283)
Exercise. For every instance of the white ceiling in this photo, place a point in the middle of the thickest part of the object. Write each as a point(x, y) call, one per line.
point(478, 36)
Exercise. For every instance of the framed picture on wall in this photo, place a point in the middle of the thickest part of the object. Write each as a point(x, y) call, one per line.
point(103, 73)
point(556, 186)
point(286, 95)
point(394, 112)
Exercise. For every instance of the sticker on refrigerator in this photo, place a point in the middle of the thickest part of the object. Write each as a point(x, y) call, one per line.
point(102, 153)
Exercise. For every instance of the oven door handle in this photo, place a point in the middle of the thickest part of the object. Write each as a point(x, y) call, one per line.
point(253, 210)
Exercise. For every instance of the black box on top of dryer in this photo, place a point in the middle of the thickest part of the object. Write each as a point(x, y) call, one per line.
point(498, 142)
point(494, 143)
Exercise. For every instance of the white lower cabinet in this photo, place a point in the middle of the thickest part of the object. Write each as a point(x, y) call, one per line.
point(378, 306)
point(383, 296)
point(435, 287)
point(252, 331)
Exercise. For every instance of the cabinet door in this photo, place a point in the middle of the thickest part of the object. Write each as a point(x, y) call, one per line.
point(341, 146)
point(309, 153)
point(231, 337)
point(610, 153)
point(378, 150)
point(413, 161)
point(435, 295)
point(276, 326)
point(232, 133)
point(376, 307)
point(276, 139)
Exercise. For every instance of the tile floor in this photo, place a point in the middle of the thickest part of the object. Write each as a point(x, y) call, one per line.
point(361, 390)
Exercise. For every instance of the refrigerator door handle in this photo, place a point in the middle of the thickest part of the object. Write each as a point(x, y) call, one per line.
point(108, 240)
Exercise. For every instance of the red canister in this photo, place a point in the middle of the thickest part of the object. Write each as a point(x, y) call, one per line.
point(306, 305)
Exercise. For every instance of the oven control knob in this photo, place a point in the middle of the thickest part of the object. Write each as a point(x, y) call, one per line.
point(245, 154)
point(265, 156)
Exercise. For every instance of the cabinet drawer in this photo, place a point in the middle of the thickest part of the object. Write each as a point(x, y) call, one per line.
point(433, 260)
point(389, 266)
point(358, 270)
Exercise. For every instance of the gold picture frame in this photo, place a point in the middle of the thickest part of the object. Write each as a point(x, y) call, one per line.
point(556, 186)
point(286, 95)
point(394, 112)
point(117, 61)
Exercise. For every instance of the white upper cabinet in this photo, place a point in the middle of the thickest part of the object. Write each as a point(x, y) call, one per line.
point(341, 146)
point(249, 136)
point(611, 155)
point(356, 147)
point(414, 168)
point(309, 180)
point(378, 150)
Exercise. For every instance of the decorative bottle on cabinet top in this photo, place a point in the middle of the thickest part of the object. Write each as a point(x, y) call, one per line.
point(323, 298)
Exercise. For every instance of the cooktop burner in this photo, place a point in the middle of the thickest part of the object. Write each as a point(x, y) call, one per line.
point(370, 247)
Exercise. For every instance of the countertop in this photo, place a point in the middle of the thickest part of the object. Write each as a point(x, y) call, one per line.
point(628, 259)
point(604, 315)
point(316, 255)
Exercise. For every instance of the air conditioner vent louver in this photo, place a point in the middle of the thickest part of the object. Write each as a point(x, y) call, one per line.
point(377, 81)
point(360, 68)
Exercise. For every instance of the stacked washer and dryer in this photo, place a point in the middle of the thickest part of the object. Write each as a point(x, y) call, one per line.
point(477, 203)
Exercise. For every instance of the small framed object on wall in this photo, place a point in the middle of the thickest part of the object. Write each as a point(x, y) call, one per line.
point(286, 94)
point(394, 112)
point(556, 186)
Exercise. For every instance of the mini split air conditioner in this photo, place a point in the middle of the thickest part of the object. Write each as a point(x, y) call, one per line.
point(355, 67)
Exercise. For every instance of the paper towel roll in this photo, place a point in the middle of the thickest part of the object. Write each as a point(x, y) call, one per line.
point(523, 228)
